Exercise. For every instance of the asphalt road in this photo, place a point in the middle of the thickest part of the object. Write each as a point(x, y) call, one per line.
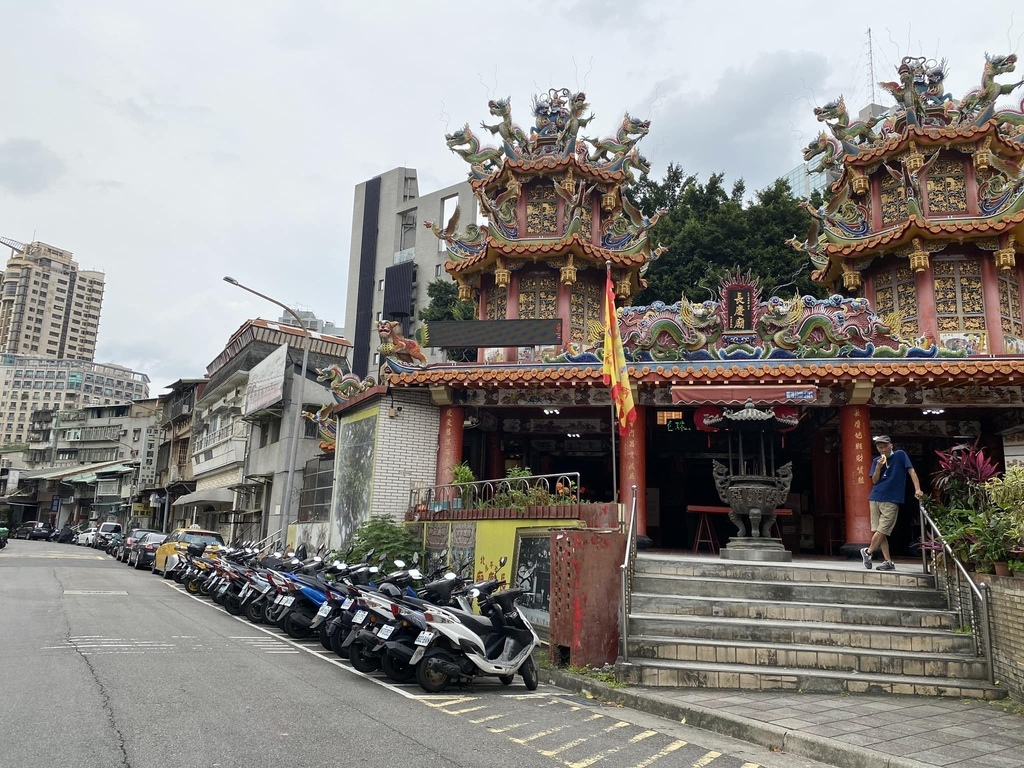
point(102, 665)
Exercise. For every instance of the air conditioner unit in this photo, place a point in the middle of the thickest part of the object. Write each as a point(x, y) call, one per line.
point(185, 409)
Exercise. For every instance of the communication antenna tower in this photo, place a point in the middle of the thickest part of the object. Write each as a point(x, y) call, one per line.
point(871, 66)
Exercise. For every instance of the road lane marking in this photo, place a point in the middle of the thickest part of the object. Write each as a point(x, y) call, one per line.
point(464, 711)
point(507, 728)
point(620, 724)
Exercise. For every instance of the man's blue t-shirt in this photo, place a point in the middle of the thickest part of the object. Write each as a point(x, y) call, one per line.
point(892, 485)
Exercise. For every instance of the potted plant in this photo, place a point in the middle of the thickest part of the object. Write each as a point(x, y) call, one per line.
point(1016, 568)
point(462, 475)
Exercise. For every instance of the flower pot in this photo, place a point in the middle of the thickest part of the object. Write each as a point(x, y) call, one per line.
point(1001, 569)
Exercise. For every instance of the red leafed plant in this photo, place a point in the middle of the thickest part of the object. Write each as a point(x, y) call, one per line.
point(963, 471)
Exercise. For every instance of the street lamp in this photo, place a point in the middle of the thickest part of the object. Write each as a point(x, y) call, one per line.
point(293, 448)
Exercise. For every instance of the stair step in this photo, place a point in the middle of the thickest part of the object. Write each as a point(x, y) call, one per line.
point(837, 573)
point(788, 591)
point(729, 607)
point(812, 633)
point(681, 674)
point(838, 658)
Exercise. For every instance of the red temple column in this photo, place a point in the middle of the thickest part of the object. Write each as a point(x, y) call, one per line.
point(495, 456)
point(449, 442)
point(633, 468)
point(927, 318)
point(855, 438)
point(993, 317)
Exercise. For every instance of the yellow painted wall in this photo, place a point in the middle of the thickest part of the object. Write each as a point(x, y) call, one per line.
point(497, 538)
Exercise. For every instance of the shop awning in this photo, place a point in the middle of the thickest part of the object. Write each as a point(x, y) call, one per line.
point(209, 496)
point(760, 394)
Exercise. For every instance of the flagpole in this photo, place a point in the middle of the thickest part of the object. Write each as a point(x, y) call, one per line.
point(615, 464)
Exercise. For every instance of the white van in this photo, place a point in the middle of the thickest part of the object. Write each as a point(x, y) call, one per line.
point(103, 534)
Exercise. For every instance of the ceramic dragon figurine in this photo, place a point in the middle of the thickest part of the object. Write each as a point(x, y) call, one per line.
point(465, 144)
point(516, 142)
point(978, 106)
point(851, 135)
point(630, 132)
point(830, 151)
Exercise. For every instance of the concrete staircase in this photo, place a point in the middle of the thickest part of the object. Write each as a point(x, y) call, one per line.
point(814, 627)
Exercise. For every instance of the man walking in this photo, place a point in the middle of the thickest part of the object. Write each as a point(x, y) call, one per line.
point(889, 471)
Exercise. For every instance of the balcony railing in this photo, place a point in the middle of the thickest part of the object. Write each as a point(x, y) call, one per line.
point(237, 430)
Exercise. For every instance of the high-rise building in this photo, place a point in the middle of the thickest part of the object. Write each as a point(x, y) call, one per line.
point(48, 306)
point(30, 383)
point(394, 257)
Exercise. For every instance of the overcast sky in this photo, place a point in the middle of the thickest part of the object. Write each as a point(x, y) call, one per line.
point(171, 143)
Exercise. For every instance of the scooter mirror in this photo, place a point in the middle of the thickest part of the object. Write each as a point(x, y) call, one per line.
point(474, 594)
point(415, 574)
point(399, 564)
point(502, 562)
point(415, 558)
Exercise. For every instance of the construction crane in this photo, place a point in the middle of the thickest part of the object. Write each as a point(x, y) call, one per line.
point(14, 245)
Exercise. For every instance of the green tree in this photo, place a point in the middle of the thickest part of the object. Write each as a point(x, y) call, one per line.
point(710, 230)
point(445, 305)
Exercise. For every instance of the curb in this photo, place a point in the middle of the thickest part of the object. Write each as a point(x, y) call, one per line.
point(773, 737)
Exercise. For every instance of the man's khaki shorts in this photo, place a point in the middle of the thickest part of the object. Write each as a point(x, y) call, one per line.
point(883, 516)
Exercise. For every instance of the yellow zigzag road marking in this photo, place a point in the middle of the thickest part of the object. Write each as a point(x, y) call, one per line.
point(507, 728)
point(592, 759)
point(540, 735)
point(486, 719)
point(642, 736)
point(706, 760)
point(464, 711)
point(449, 701)
point(657, 756)
point(559, 750)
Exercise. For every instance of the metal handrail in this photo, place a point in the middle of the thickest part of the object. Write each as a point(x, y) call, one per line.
point(626, 575)
point(984, 627)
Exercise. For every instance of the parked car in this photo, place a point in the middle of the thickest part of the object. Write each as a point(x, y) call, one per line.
point(166, 556)
point(86, 538)
point(33, 529)
point(126, 543)
point(142, 551)
point(104, 532)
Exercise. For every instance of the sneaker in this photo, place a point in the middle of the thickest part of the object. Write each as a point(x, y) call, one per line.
point(866, 557)
point(888, 565)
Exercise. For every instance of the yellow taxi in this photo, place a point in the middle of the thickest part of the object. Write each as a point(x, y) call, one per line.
point(166, 555)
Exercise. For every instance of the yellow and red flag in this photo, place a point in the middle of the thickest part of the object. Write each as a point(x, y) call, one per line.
point(614, 368)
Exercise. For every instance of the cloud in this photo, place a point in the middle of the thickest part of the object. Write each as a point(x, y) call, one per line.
point(27, 167)
point(745, 122)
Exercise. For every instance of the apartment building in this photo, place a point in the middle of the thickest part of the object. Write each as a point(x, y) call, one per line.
point(394, 257)
point(48, 306)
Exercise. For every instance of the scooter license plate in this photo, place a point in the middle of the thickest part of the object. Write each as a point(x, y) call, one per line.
point(245, 591)
point(324, 609)
point(347, 603)
point(265, 589)
point(223, 588)
point(385, 632)
point(359, 618)
point(288, 601)
point(278, 599)
point(424, 637)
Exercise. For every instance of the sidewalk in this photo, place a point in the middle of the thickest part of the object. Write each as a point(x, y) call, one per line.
point(848, 731)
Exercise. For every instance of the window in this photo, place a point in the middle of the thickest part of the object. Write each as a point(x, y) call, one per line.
point(380, 285)
point(438, 270)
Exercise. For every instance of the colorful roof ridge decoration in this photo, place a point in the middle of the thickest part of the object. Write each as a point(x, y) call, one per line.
point(551, 195)
point(932, 169)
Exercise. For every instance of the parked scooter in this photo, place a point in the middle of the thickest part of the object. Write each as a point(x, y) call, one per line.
point(3, 537)
point(457, 644)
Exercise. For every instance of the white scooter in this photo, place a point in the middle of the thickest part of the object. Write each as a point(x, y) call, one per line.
point(457, 644)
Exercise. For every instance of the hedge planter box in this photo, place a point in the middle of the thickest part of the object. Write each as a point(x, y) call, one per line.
point(601, 515)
